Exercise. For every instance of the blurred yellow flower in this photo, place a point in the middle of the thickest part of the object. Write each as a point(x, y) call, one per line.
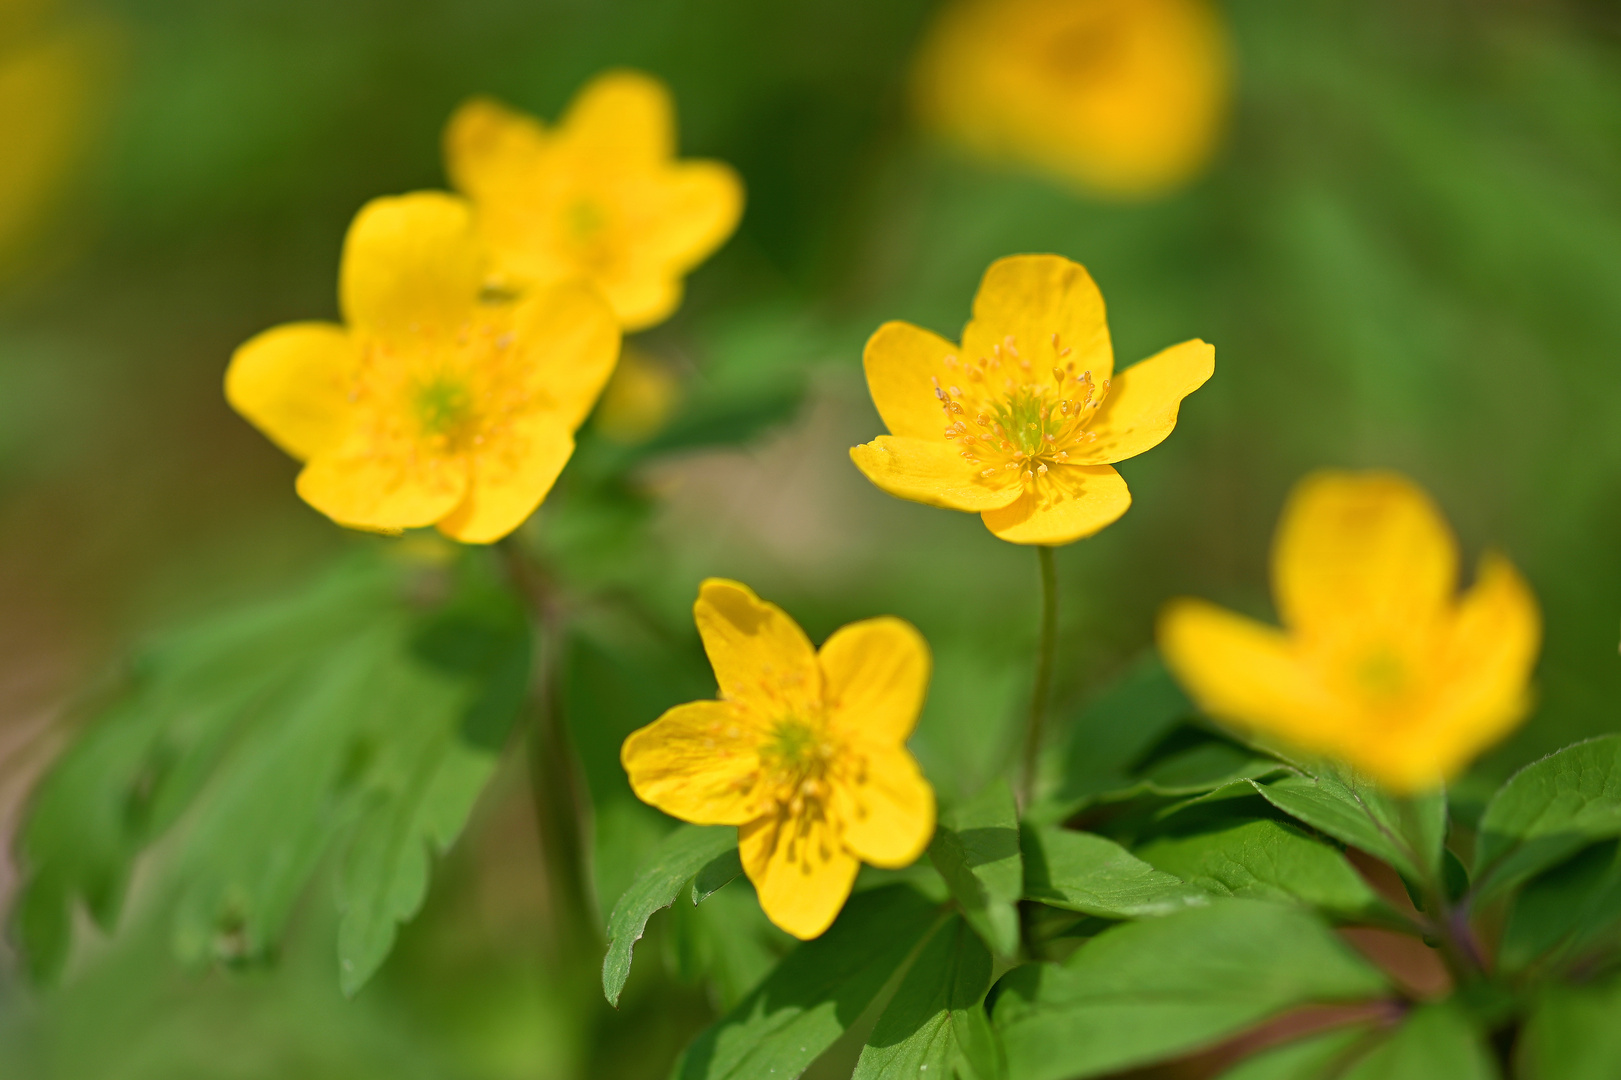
point(1381, 665)
point(640, 397)
point(1022, 422)
point(1128, 97)
point(429, 407)
point(600, 197)
point(805, 752)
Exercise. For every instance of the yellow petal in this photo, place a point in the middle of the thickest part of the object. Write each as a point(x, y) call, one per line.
point(1140, 409)
point(488, 145)
point(697, 762)
point(888, 819)
point(761, 657)
point(292, 383)
point(875, 674)
point(902, 361)
point(573, 338)
point(932, 472)
point(800, 870)
point(412, 265)
point(1249, 674)
point(1030, 298)
point(625, 114)
point(673, 221)
point(1361, 550)
point(369, 482)
point(509, 477)
point(1072, 503)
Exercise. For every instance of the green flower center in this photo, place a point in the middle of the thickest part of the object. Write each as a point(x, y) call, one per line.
point(797, 755)
point(443, 407)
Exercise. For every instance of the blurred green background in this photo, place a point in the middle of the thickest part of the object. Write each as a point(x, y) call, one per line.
point(1407, 253)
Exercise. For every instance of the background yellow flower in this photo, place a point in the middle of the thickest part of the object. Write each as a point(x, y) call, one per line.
point(1127, 97)
point(1380, 664)
point(599, 197)
point(805, 752)
point(429, 407)
point(1023, 421)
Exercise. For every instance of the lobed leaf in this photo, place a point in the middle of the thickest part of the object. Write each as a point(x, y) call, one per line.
point(1564, 909)
point(1548, 811)
point(1084, 872)
point(1407, 834)
point(976, 850)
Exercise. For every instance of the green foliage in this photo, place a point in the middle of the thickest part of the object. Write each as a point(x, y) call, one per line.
point(1151, 990)
point(1433, 1040)
point(1549, 810)
point(976, 849)
point(1078, 871)
point(1406, 834)
point(1310, 1058)
point(935, 1024)
point(1572, 1034)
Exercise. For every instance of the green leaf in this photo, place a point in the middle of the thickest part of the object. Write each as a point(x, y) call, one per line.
point(1435, 1042)
point(1148, 991)
point(1311, 1058)
point(726, 941)
point(716, 874)
point(1565, 908)
point(1080, 871)
point(1548, 811)
point(923, 1029)
point(817, 992)
point(1350, 808)
point(1572, 1034)
point(976, 849)
point(1264, 860)
point(683, 853)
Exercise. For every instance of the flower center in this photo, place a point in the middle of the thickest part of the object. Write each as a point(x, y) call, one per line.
point(1381, 675)
point(1010, 417)
point(797, 756)
point(444, 407)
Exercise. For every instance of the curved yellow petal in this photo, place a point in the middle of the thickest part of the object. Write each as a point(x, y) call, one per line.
point(932, 472)
point(489, 146)
point(902, 362)
point(509, 477)
point(875, 674)
point(623, 113)
point(694, 207)
point(698, 762)
point(412, 265)
point(888, 818)
point(573, 338)
point(1140, 409)
point(762, 659)
point(800, 870)
point(292, 383)
point(1050, 308)
point(1072, 503)
point(371, 482)
point(1361, 550)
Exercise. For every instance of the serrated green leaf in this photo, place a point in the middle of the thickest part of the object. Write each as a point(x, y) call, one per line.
point(716, 874)
point(1548, 811)
point(818, 991)
point(682, 854)
point(1080, 871)
point(976, 850)
point(1351, 809)
point(1311, 1058)
point(1264, 860)
point(1153, 990)
point(1564, 908)
point(1571, 1034)
point(1434, 1042)
point(919, 1031)
point(726, 941)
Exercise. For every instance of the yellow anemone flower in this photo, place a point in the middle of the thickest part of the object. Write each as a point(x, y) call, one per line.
point(1127, 97)
point(599, 197)
point(1022, 422)
point(430, 406)
point(805, 752)
point(1381, 665)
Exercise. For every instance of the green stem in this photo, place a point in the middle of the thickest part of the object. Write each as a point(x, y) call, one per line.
point(1044, 676)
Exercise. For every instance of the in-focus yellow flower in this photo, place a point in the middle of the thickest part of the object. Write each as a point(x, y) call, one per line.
point(430, 406)
point(1127, 97)
point(600, 197)
point(1022, 421)
point(1380, 664)
point(805, 752)
point(639, 399)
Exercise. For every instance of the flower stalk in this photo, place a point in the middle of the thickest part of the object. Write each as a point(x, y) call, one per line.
point(1046, 646)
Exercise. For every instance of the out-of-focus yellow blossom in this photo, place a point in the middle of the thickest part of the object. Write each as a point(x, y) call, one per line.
point(599, 197)
point(429, 407)
point(48, 87)
point(805, 752)
point(1022, 422)
point(1380, 664)
point(640, 397)
point(1128, 97)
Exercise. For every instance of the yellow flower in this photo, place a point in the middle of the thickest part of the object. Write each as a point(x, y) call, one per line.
point(1127, 97)
point(1022, 422)
point(1380, 665)
point(805, 752)
point(639, 400)
point(599, 197)
point(429, 407)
